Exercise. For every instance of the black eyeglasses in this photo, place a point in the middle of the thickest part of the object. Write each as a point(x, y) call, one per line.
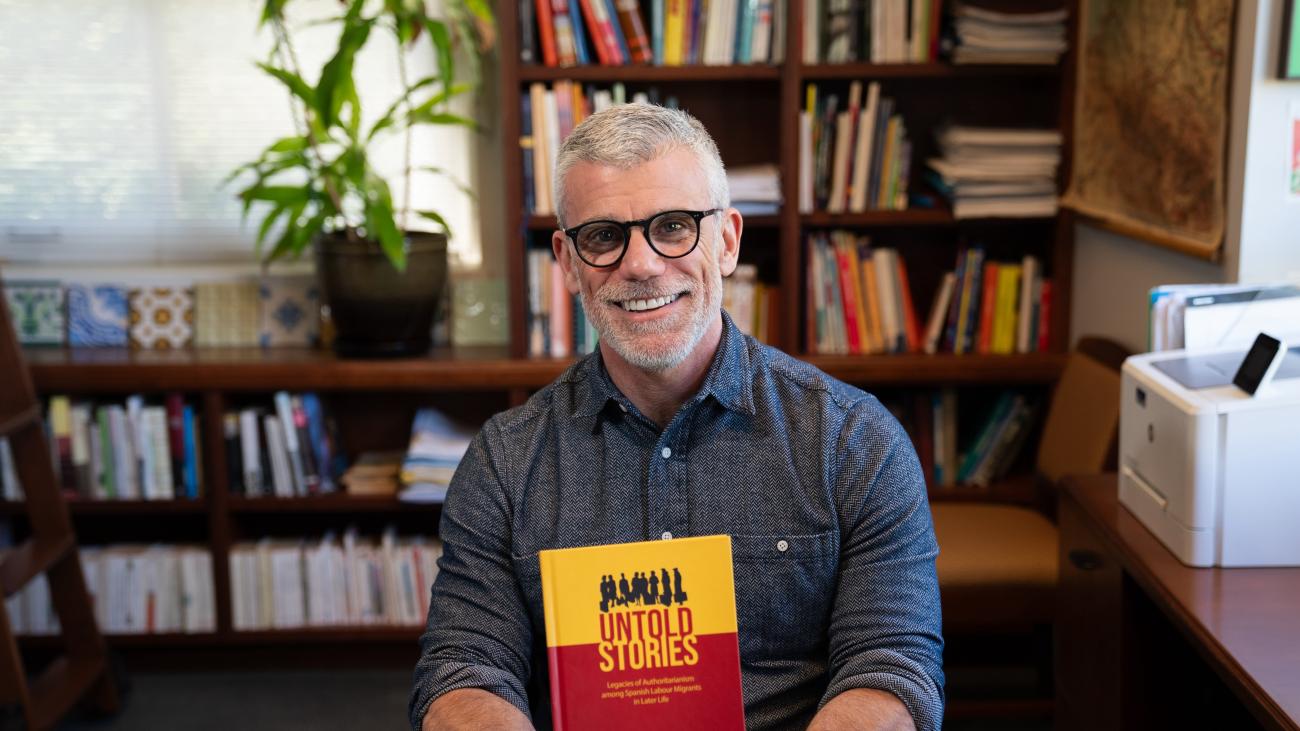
point(672, 235)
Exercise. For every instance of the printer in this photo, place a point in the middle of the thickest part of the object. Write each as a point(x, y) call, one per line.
point(1213, 472)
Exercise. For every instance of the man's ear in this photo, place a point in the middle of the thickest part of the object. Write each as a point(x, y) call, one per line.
point(729, 254)
point(564, 255)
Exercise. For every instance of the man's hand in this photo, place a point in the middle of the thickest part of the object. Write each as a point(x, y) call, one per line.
point(861, 709)
point(472, 709)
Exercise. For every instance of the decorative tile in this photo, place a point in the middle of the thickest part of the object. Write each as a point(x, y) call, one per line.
point(161, 318)
point(97, 315)
point(290, 312)
point(226, 314)
point(36, 309)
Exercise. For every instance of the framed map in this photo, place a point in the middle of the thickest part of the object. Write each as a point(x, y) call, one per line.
point(1151, 120)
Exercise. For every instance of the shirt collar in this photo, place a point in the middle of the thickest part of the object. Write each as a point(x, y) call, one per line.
point(729, 379)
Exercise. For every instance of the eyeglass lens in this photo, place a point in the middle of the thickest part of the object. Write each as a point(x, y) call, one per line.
point(672, 233)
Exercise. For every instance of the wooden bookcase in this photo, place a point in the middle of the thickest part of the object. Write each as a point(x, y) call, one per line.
point(752, 111)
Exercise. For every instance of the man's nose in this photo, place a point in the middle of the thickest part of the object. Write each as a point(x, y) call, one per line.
point(641, 261)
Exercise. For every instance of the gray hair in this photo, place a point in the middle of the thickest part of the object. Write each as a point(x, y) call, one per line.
point(632, 134)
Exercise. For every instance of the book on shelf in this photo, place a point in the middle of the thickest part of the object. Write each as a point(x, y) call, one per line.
point(134, 589)
point(437, 446)
point(659, 32)
point(347, 581)
point(643, 634)
point(750, 302)
point(872, 31)
point(110, 451)
point(988, 172)
point(983, 35)
point(861, 302)
point(287, 448)
point(859, 156)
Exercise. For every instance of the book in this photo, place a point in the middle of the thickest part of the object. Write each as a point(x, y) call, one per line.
point(655, 647)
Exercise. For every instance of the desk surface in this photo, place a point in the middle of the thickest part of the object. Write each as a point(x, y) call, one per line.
point(1246, 622)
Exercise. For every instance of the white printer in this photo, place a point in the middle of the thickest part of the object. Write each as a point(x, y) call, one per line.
point(1213, 472)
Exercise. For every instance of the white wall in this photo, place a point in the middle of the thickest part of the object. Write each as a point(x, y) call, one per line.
point(1268, 246)
point(1112, 273)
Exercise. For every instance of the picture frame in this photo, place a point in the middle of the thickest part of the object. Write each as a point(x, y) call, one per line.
point(1288, 67)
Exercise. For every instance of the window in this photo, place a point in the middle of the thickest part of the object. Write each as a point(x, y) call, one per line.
point(120, 118)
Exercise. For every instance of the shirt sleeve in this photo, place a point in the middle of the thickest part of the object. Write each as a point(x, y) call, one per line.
point(478, 634)
point(886, 628)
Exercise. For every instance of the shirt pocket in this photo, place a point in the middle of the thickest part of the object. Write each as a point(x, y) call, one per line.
point(784, 588)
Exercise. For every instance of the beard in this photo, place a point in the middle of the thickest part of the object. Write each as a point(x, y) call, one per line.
point(667, 341)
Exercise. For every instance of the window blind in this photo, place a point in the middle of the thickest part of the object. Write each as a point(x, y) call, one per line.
point(120, 118)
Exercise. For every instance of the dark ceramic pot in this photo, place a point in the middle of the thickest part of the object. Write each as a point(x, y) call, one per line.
point(378, 311)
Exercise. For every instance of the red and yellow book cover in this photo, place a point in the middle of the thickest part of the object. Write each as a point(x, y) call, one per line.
point(639, 634)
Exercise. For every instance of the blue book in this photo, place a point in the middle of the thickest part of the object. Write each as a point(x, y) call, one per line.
point(745, 12)
point(657, 31)
point(950, 325)
point(581, 50)
point(190, 469)
point(320, 443)
point(526, 133)
point(618, 30)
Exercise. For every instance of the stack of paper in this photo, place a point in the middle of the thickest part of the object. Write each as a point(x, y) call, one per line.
point(755, 189)
point(987, 36)
point(1209, 316)
point(989, 172)
point(437, 446)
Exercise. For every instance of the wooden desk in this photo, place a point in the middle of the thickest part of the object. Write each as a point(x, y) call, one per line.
point(1144, 641)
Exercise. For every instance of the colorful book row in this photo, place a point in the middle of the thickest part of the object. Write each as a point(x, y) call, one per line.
point(859, 297)
point(274, 311)
point(134, 589)
point(951, 456)
point(660, 32)
point(109, 451)
point(291, 584)
point(990, 307)
point(289, 450)
point(854, 153)
point(872, 31)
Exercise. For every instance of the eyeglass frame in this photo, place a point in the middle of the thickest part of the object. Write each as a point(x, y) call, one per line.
point(644, 225)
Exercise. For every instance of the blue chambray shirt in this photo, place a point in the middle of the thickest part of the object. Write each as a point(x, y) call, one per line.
point(817, 484)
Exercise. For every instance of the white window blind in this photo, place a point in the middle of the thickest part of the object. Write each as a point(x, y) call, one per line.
point(120, 118)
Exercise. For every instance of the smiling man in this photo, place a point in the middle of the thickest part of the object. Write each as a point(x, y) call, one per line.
point(680, 425)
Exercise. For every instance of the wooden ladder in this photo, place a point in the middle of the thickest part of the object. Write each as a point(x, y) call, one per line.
point(83, 669)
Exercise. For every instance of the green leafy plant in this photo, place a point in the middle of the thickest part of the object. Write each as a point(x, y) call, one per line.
point(320, 180)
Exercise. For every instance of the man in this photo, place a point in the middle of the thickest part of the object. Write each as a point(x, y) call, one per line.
point(682, 426)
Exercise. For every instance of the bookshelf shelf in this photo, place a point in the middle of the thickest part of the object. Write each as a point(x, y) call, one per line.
point(120, 507)
point(830, 71)
point(942, 368)
point(327, 504)
point(548, 223)
point(70, 370)
point(909, 217)
point(305, 636)
point(675, 74)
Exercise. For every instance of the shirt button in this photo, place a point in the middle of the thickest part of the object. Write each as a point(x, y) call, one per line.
point(623, 408)
point(666, 536)
point(782, 546)
point(667, 453)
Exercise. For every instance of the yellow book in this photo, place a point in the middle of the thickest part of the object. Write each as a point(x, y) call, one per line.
point(674, 32)
point(643, 635)
point(1004, 317)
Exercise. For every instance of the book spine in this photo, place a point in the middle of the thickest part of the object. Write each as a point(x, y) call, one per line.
point(984, 341)
point(954, 304)
point(566, 50)
point(629, 17)
point(546, 33)
point(849, 300)
point(615, 31)
point(1045, 318)
point(657, 31)
point(911, 325)
point(311, 472)
point(176, 438)
point(289, 435)
point(251, 453)
point(526, 151)
point(191, 465)
point(580, 44)
point(527, 36)
point(234, 451)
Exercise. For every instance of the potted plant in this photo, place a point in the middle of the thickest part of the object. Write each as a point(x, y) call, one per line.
point(317, 188)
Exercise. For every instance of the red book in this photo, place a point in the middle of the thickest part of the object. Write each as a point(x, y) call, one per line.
point(176, 439)
point(987, 305)
point(910, 323)
point(546, 33)
point(638, 44)
point(1045, 318)
point(601, 29)
point(643, 635)
point(848, 299)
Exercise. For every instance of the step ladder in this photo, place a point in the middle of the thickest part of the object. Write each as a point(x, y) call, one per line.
point(82, 671)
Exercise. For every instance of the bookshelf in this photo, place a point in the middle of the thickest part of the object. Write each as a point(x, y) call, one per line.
point(753, 112)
